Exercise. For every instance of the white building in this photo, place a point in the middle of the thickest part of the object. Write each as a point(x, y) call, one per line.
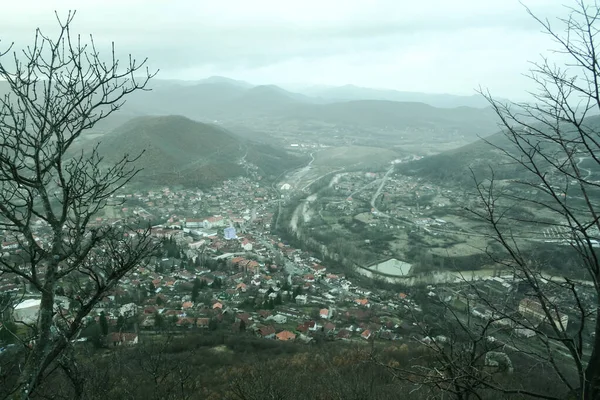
point(532, 309)
point(128, 310)
point(27, 311)
point(279, 319)
point(301, 299)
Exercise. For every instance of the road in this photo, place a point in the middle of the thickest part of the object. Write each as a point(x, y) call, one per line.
point(588, 172)
point(378, 192)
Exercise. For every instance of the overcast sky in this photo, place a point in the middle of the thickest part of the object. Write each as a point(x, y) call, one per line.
point(436, 46)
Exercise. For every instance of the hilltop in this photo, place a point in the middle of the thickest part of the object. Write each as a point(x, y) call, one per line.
point(180, 151)
point(457, 165)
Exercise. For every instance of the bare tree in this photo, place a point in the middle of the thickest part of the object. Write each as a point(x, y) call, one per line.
point(549, 140)
point(552, 145)
point(58, 88)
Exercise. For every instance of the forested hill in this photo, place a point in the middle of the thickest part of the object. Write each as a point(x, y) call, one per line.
point(177, 150)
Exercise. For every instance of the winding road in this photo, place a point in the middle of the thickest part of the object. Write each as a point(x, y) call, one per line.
point(588, 171)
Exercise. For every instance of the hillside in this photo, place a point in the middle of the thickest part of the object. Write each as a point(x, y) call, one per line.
point(401, 115)
point(455, 166)
point(180, 151)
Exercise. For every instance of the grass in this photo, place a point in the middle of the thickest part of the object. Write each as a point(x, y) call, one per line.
point(354, 156)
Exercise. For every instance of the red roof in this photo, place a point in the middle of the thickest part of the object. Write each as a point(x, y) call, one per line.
point(286, 335)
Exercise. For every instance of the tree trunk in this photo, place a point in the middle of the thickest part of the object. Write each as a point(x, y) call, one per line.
point(592, 372)
point(36, 361)
point(32, 370)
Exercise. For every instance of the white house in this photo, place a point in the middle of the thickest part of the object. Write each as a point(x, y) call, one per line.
point(128, 310)
point(246, 245)
point(301, 299)
point(279, 319)
point(27, 311)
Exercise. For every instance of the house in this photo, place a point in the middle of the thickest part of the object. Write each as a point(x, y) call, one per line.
point(128, 310)
point(343, 334)
point(328, 327)
point(533, 310)
point(278, 319)
point(362, 302)
point(303, 328)
point(247, 318)
point(123, 338)
point(366, 334)
point(203, 323)
point(285, 336)
point(246, 244)
point(217, 306)
point(267, 332)
point(324, 313)
point(186, 322)
point(148, 321)
point(301, 299)
point(241, 287)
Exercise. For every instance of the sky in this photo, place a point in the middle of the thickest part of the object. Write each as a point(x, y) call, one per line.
point(434, 46)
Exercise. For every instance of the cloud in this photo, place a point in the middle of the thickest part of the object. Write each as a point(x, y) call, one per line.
point(435, 45)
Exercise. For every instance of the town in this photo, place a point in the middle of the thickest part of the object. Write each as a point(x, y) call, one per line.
point(221, 267)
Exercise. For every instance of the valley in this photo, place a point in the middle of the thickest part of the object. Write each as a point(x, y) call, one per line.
point(391, 202)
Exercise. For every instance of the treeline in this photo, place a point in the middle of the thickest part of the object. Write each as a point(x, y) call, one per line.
point(242, 367)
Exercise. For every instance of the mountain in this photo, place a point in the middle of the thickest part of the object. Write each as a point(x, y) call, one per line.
point(228, 81)
point(271, 108)
point(457, 166)
point(399, 115)
point(351, 92)
point(260, 99)
point(177, 150)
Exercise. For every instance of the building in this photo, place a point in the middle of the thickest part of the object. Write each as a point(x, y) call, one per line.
point(278, 319)
point(267, 332)
point(213, 222)
point(246, 245)
point(193, 223)
point(123, 338)
point(301, 299)
point(532, 309)
point(285, 336)
point(27, 311)
point(230, 233)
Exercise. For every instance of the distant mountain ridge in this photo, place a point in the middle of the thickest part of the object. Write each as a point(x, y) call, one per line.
point(220, 101)
point(352, 92)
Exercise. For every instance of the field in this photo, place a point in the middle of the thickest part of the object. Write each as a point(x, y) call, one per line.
point(353, 157)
